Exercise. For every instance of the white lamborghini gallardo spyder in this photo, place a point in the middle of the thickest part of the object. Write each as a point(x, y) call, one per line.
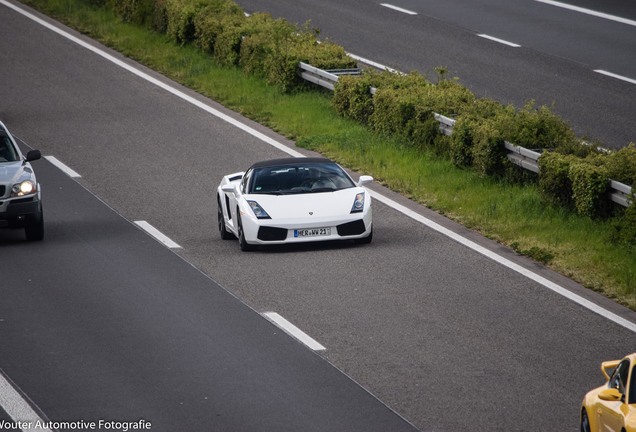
point(294, 200)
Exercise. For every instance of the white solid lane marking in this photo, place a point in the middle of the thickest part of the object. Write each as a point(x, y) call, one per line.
point(293, 331)
point(416, 216)
point(613, 75)
point(62, 167)
point(374, 64)
point(589, 12)
point(18, 409)
point(155, 81)
point(399, 9)
point(501, 41)
point(157, 234)
point(507, 263)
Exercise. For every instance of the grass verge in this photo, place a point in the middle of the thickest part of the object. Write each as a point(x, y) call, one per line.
point(511, 214)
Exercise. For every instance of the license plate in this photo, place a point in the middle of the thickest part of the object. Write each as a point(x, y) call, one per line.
point(312, 232)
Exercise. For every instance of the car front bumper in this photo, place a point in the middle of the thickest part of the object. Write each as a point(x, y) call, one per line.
point(17, 212)
point(267, 231)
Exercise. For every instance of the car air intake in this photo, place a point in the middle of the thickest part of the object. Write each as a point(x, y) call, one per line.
point(351, 228)
point(271, 233)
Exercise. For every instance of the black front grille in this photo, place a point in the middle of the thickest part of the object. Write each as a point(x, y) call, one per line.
point(351, 228)
point(271, 233)
point(21, 200)
point(3, 190)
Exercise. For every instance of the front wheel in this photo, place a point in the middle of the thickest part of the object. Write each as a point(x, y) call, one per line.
point(34, 230)
point(245, 246)
point(225, 234)
point(585, 422)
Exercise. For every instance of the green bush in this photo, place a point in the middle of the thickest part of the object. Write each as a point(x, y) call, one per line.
point(227, 46)
point(590, 186)
point(625, 226)
point(210, 21)
point(267, 38)
point(462, 139)
point(133, 11)
point(461, 142)
point(538, 128)
point(180, 18)
point(352, 95)
point(396, 81)
point(488, 153)
point(408, 111)
point(275, 48)
point(236, 31)
point(482, 108)
point(450, 98)
point(326, 55)
point(554, 178)
point(621, 165)
point(397, 112)
point(159, 18)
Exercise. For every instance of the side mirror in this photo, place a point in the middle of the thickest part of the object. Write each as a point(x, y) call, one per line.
point(365, 179)
point(610, 395)
point(230, 188)
point(33, 155)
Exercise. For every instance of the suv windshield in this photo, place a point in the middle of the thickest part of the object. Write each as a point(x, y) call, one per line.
point(299, 179)
point(7, 151)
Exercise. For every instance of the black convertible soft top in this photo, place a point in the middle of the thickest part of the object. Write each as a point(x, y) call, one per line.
point(290, 161)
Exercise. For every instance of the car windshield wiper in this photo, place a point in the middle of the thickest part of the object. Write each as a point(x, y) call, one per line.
point(323, 189)
point(269, 193)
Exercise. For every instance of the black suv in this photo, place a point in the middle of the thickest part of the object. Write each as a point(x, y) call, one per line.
point(20, 204)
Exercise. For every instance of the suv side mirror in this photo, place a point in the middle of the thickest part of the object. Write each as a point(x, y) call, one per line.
point(33, 155)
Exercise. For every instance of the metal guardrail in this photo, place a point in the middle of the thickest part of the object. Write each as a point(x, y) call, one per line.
point(523, 157)
point(445, 124)
point(620, 193)
point(324, 78)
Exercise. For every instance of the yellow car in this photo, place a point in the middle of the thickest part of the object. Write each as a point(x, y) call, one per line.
point(612, 406)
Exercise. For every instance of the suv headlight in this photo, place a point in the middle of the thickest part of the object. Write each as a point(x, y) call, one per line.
point(258, 210)
point(26, 187)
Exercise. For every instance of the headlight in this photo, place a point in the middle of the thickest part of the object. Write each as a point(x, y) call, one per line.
point(26, 187)
point(258, 210)
point(358, 203)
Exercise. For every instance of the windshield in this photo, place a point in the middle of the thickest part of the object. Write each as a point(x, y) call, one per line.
point(298, 179)
point(7, 152)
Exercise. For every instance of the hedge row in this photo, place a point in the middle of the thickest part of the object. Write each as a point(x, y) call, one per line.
point(583, 183)
point(259, 44)
point(571, 174)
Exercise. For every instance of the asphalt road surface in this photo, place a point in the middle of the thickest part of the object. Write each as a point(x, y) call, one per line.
point(102, 322)
point(107, 321)
point(553, 63)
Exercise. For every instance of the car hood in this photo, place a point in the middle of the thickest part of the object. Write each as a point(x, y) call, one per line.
point(13, 172)
point(318, 204)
